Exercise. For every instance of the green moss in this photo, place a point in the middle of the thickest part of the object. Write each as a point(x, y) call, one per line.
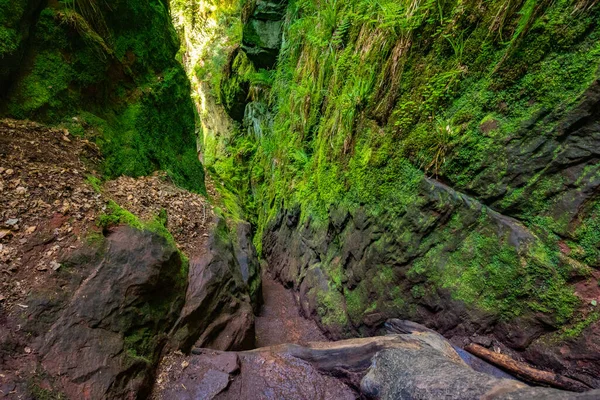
point(116, 70)
point(330, 309)
point(139, 345)
point(39, 393)
point(492, 275)
point(115, 215)
point(356, 303)
point(40, 387)
point(370, 98)
point(11, 11)
point(588, 235)
point(575, 330)
point(95, 183)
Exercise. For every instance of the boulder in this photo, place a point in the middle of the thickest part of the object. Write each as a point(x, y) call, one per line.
point(416, 365)
point(257, 375)
point(108, 339)
point(424, 373)
point(218, 310)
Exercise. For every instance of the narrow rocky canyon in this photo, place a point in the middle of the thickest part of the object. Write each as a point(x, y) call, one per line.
point(299, 199)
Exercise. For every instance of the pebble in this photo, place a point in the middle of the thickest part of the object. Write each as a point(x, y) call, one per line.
point(21, 190)
point(9, 172)
point(12, 221)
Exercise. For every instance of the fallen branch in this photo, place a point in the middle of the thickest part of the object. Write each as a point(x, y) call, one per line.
point(525, 371)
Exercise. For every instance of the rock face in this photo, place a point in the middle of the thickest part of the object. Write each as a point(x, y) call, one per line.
point(568, 155)
point(263, 31)
point(107, 341)
point(384, 267)
point(379, 267)
point(101, 335)
point(426, 191)
point(218, 311)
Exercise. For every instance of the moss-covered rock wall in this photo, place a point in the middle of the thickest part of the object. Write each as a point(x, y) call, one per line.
point(105, 66)
point(431, 160)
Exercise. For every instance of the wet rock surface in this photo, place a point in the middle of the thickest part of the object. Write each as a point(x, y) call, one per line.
point(248, 375)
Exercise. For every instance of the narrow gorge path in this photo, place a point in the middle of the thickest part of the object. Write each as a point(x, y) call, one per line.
point(280, 321)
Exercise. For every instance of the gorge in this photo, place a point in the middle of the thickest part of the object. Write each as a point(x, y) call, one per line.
point(253, 198)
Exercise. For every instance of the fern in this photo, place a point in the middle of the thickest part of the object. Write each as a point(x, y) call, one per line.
point(341, 33)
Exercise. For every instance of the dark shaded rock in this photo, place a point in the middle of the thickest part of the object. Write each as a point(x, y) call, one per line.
point(235, 86)
point(520, 332)
point(314, 282)
point(107, 341)
point(265, 375)
point(218, 311)
point(269, 373)
point(16, 19)
point(263, 31)
point(578, 357)
point(484, 341)
point(201, 376)
point(567, 156)
point(247, 260)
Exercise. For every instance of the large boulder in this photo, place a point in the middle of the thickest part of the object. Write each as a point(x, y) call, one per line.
point(425, 373)
point(417, 365)
point(107, 341)
point(218, 311)
point(265, 374)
